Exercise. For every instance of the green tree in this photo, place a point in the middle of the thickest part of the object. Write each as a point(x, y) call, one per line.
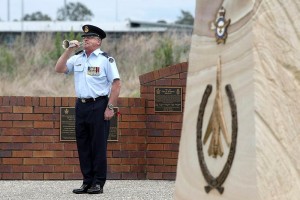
point(36, 16)
point(58, 50)
point(185, 18)
point(74, 12)
point(7, 61)
point(163, 54)
point(162, 21)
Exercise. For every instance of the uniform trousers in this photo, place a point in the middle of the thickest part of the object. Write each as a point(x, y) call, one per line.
point(91, 136)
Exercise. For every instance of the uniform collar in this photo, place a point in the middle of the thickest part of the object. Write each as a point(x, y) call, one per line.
point(96, 52)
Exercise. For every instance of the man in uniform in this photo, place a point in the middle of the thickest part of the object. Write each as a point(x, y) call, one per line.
point(97, 86)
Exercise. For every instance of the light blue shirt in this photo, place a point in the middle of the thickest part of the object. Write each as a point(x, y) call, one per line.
point(94, 75)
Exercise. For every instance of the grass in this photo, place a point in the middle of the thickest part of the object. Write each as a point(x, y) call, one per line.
point(27, 67)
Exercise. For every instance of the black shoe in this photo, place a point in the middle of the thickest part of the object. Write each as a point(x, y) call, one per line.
point(96, 189)
point(83, 189)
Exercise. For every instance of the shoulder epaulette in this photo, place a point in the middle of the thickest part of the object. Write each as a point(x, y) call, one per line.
point(105, 54)
point(78, 52)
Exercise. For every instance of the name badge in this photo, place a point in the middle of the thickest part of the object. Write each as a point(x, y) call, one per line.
point(93, 71)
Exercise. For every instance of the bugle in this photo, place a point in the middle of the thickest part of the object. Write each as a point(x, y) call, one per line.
point(67, 44)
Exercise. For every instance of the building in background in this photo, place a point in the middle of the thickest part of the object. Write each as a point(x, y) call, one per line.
point(10, 30)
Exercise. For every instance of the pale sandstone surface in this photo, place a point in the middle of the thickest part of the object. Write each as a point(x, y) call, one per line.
point(261, 61)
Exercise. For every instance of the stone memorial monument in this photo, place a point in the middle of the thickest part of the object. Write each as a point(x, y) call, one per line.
point(241, 127)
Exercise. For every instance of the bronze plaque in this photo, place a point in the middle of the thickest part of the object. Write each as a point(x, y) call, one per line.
point(67, 125)
point(168, 99)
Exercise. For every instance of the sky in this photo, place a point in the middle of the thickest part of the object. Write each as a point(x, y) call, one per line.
point(103, 10)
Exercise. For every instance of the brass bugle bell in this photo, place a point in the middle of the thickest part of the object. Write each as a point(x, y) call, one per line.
point(67, 44)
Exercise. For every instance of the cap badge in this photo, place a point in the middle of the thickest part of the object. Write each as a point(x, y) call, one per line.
point(86, 29)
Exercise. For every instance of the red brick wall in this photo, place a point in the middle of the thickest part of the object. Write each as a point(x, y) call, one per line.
point(163, 129)
point(147, 146)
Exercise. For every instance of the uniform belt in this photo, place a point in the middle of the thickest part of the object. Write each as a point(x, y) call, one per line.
point(88, 100)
